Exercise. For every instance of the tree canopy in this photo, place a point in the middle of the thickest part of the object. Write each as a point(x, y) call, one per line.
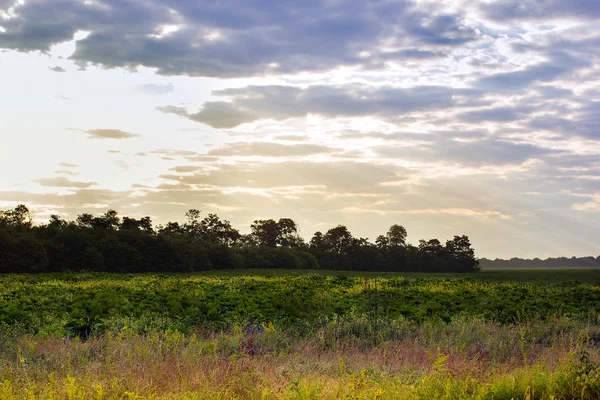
point(110, 243)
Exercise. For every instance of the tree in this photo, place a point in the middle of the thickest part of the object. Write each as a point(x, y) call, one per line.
point(85, 220)
point(287, 235)
point(170, 229)
point(284, 233)
point(107, 221)
point(107, 243)
point(338, 240)
point(431, 247)
point(192, 227)
point(20, 216)
point(460, 246)
point(143, 224)
point(266, 232)
point(317, 242)
point(461, 254)
point(193, 216)
point(382, 242)
point(129, 224)
point(214, 230)
point(57, 222)
point(247, 241)
point(396, 235)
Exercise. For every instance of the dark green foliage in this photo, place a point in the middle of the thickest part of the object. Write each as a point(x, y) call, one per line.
point(21, 252)
point(110, 244)
point(78, 304)
point(307, 260)
point(223, 257)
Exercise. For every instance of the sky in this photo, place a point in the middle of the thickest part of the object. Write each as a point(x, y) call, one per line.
point(447, 117)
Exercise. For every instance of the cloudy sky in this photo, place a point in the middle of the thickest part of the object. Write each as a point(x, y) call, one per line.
point(448, 117)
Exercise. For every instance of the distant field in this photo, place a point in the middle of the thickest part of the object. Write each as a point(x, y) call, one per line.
point(588, 275)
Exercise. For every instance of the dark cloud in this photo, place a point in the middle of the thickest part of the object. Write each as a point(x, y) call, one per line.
point(559, 65)
point(416, 54)
point(486, 152)
point(553, 92)
point(109, 134)
point(57, 69)
point(283, 102)
point(459, 133)
point(502, 10)
point(6, 4)
point(584, 122)
point(233, 37)
point(498, 114)
point(63, 182)
point(218, 114)
point(472, 153)
point(551, 122)
point(181, 111)
point(439, 29)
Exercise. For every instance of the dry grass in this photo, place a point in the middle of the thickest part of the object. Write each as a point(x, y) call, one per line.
point(461, 360)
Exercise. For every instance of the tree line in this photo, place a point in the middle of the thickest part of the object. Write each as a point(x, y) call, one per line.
point(109, 243)
point(552, 262)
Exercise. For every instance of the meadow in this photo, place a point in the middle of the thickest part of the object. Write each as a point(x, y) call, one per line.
point(278, 334)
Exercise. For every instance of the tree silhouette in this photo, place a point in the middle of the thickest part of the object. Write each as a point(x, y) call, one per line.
point(107, 243)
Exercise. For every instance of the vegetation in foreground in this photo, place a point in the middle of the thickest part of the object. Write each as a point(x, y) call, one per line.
point(466, 359)
point(291, 335)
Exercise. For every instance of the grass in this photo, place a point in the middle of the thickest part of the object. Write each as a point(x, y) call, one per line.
point(255, 334)
point(462, 360)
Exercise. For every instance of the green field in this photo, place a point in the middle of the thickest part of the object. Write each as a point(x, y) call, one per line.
point(80, 304)
point(587, 275)
point(275, 334)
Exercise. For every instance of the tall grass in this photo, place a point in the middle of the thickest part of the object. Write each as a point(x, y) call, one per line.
point(468, 358)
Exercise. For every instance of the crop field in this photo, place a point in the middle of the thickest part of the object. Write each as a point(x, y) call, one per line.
point(586, 275)
point(265, 334)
